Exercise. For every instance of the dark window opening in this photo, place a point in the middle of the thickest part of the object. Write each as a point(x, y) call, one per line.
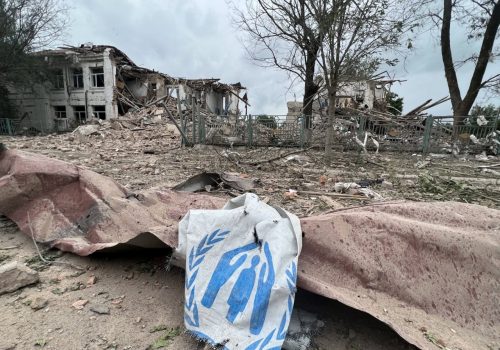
point(60, 112)
point(99, 112)
point(58, 79)
point(80, 113)
point(78, 78)
point(153, 86)
point(97, 76)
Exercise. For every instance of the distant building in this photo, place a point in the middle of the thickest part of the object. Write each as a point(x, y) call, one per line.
point(366, 95)
point(100, 81)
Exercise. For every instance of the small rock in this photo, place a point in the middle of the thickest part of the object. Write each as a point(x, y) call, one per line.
point(79, 304)
point(76, 286)
point(387, 184)
point(14, 276)
point(91, 281)
point(138, 319)
point(100, 309)
point(39, 303)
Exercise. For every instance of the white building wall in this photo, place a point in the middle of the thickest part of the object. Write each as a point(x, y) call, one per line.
point(38, 105)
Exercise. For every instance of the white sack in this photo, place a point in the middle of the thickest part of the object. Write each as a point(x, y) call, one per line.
point(241, 271)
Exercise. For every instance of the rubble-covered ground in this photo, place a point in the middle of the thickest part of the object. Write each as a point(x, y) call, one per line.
point(133, 303)
point(142, 157)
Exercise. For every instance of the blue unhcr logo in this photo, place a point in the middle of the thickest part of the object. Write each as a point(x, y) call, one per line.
point(244, 285)
point(259, 275)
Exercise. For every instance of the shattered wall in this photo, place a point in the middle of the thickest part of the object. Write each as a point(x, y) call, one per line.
point(37, 108)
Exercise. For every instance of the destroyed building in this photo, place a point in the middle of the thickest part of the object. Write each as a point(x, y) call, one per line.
point(364, 94)
point(100, 81)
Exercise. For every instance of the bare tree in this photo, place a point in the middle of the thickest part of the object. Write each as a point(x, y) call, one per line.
point(360, 36)
point(483, 18)
point(284, 34)
point(25, 27)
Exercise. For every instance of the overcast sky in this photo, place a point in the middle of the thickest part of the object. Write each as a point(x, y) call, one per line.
point(196, 39)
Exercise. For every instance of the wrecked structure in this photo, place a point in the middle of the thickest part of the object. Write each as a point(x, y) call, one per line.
point(102, 82)
point(364, 95)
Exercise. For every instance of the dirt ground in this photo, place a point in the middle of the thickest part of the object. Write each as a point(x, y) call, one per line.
point(134, 303)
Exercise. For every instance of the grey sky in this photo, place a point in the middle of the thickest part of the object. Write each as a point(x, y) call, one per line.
point(196, 39)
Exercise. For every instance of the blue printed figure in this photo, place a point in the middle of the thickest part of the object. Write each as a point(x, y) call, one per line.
point(240, 294)
point(223, 271)
point(263, 293)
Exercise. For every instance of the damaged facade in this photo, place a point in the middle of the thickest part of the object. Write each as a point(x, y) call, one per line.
point(364, 95)
point(100, 81)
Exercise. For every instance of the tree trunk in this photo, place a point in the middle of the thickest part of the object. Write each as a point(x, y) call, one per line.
point(461, 107)
point(332, 101)
point(446, 55)
point(482, 62)
point(310, 89)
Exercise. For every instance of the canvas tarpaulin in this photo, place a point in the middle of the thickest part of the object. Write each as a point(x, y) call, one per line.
point(430, 271)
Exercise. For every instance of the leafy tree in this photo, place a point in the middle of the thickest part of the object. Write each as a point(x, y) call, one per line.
point(394, 103)
point(490, 113)
point(26, 26)
point(482, 18)
point(359, 33)
point(283, 34)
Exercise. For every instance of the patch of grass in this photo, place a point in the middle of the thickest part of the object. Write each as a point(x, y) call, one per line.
point(158, 328)
point(165, 339)
point(433, 339)
point(4, 257)
point(41, 343)
point(38, 264)
point(59, 291)
point(441, 188)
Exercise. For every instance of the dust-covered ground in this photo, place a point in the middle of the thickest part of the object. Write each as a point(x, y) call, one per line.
point(134, 303)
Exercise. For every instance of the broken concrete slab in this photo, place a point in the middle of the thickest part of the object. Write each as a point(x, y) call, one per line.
point(86, 130)
point(15, 275)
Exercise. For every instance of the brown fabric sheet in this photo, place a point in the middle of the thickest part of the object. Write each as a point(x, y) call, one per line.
point(430, 271)
point(78, 210)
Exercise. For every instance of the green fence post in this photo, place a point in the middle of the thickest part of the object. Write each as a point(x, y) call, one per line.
point(302, 131)
point(250, 131)
point(427, 134)
point(200, 126)
point(193, 118)
point(9, 126)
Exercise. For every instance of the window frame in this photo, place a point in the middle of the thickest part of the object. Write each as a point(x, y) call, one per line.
point(78, 78)
point(60, 114)
point(98, 114)
point(78, 113)
point(58, 79)
point(94, 77)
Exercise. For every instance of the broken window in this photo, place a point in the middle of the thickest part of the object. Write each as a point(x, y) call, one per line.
point(153, 86)
point(80, 113)
point(99, 112)
point(60, 112)
point(58, 79)
point(78, 78)
point(97, 76)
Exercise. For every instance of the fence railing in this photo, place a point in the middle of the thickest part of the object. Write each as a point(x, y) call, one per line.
point(411, 134)
point(268, 130)
point(7, 126)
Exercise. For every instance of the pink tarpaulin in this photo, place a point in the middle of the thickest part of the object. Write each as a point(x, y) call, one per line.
point(431, 271)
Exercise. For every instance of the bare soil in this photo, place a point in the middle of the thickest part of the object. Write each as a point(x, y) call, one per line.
point(140, 302)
